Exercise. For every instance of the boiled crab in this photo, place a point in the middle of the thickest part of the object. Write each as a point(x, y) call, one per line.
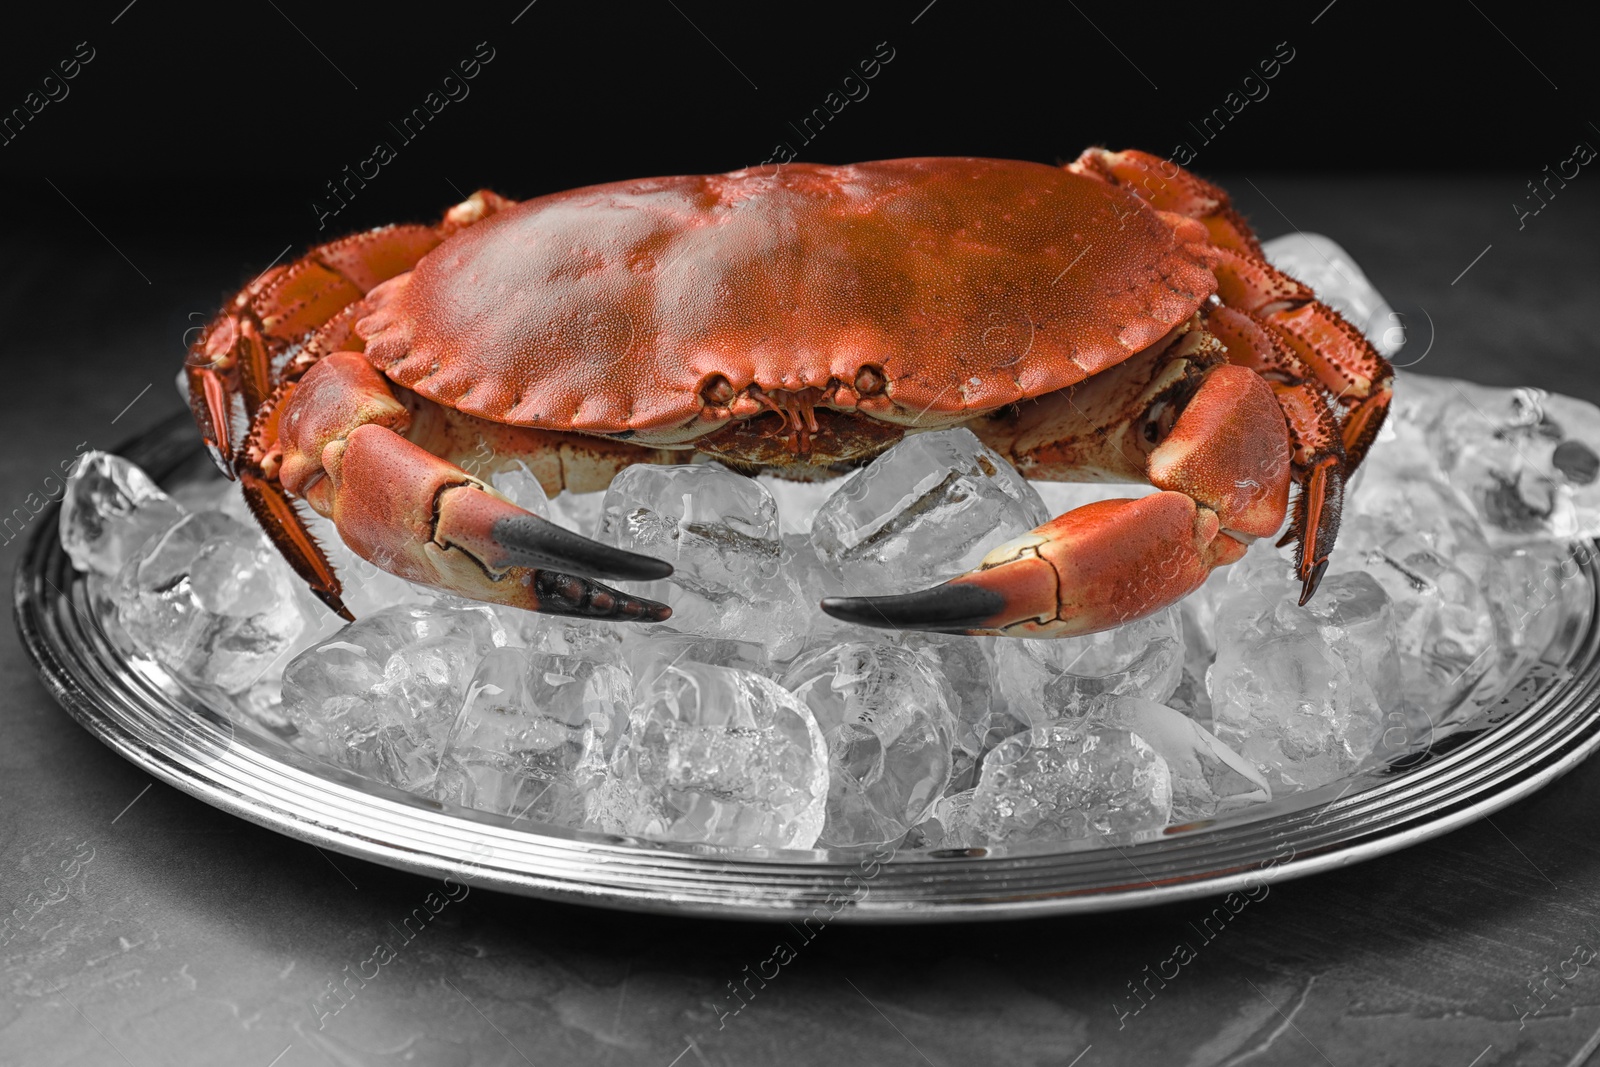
point(1111, 320)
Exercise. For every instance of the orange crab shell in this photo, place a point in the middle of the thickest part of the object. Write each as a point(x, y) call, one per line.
point(903, 295)
point(968, 284)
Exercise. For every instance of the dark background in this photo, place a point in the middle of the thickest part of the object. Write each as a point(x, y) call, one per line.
point(188, 155)
point(233, 120)
point(196, 145)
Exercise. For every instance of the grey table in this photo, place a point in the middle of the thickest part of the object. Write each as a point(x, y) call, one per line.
point(143, 927)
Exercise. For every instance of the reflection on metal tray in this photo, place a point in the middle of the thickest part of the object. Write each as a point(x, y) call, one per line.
point(1545, 724)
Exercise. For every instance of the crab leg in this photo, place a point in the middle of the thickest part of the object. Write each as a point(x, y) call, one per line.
point(244, 366)
point(231, 369)
point(427, 520)
point(1225, 466)
point(1275, 325)
point(1336, 353)
point(1168, 187)
point(1319, 456)
point(242, 356)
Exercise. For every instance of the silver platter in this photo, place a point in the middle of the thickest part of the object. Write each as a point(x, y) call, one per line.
point(1546, 724)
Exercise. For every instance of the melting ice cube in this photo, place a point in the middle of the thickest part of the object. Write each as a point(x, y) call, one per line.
point(110, 509)
point(967, 665)
point(535, 733)
point(648, 653)
point(887, 723)
point(719, 530)
point(380, 696)
point(1527, 461)
point(1448, 587)
point(564, 635)
point(718, 756)
point(925, 511)
point(209, 599)
point(516, 481)
point(949, 825)
point(1042, 680)
point(1444, 627)
point(1208, 777)
point(797, 501)
point(1302, 692)
point(1197, 614)
point(365, 587)
point(1068, 781)
point(518, 484)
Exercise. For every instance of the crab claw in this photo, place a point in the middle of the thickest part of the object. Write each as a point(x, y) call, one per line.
point(1224, 472)
point(425, 519)
point(1093, 568)
point(502, 535)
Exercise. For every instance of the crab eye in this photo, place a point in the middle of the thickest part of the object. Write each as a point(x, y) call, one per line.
point(717, 391)
point(870, 380)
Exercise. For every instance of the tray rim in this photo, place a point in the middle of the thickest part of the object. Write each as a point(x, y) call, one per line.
point(384, 825)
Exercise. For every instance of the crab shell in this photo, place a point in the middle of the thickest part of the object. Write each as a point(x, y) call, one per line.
point(964, 284)
point(1110, 320)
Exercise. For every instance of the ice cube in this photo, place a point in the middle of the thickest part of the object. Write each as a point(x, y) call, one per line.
point(1386, 507)
point(1302, 692)
point(967, 665)
point(1070, 781)
point(884, 714)
point(1208, 777)
point(203, 491)
point(535, 733)
point(925, 511)
point(797, 501)
point(815, 579)
point(1197, 615)
point(1527, 461)
point(261, 706)
point(721, 757)
point(579, 512)
point(563, 635)
point(1413, 534)
point(1530, 593)
point(649, 652)
point(713, 525)
point(1043, 680)
point(949, 826)
point(515, 481)
point(365, 587)
point(719, 530)
point(1444, 627)
point(1330, 272)
point(209, 599)
point(380, 696)
point(110, 509)
point(1062, 497)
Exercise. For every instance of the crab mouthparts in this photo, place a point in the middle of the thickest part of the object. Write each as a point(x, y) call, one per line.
point(797, 410)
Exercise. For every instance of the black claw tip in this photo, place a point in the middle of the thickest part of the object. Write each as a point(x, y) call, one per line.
point(529, 541)
point(1314, 579)
point(568, 594)
point(944, 607)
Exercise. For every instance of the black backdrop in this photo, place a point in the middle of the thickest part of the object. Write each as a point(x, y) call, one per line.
point(235, 118)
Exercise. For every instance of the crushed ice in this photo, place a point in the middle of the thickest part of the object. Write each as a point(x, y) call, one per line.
point(752, 720)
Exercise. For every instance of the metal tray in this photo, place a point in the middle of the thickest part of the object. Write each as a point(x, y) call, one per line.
point(1544, 725)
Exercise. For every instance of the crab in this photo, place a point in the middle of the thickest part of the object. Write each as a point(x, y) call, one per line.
point(1110, 320)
